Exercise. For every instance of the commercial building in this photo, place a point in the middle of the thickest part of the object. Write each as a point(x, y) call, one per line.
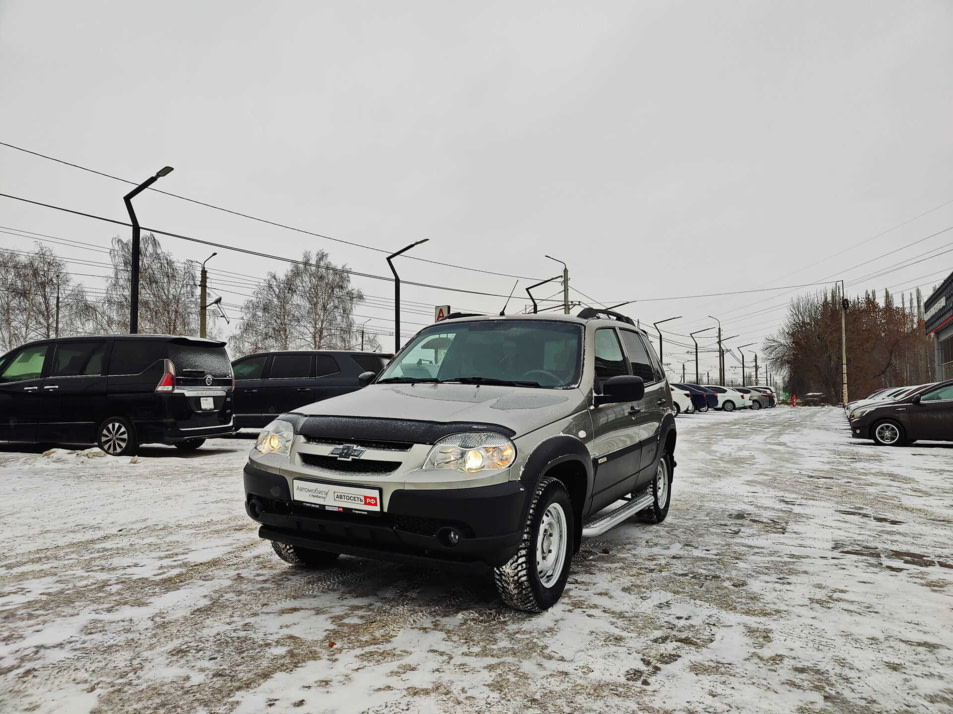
point(938, 314)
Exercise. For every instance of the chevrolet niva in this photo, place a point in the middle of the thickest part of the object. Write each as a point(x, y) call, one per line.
point(495, 440)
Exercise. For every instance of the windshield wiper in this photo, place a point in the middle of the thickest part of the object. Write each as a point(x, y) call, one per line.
point(407, 380)
point(491, 381)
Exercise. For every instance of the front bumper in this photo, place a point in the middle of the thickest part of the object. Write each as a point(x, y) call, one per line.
point(482, 524)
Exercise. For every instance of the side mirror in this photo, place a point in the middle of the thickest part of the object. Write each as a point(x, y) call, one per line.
point(621, 388)
point(916, 399)
point(365, 378)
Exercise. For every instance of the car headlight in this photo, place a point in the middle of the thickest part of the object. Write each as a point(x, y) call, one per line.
point(472, 452)
point(276, 438)
point(858, 413)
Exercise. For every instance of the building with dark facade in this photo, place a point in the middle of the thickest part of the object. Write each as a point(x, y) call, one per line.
point(938, 314)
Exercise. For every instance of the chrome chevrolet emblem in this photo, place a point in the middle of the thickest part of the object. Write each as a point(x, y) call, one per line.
point(346, 452)
point(208, 380)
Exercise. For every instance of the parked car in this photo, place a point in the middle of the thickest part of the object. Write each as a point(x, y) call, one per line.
point(887, 395)
point(754, 398)
point(681, 400)
point(271, 383)
point(699, 396)
point(927, 413)
point(519, 442)
point(769, 395)
point(710, 397)
point(728, 398)
point(117, 391)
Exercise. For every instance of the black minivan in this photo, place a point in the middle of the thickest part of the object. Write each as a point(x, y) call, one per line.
point(117, 391)
point(272, 383)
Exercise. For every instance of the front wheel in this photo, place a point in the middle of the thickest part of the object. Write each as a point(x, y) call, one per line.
point(888, 433)
point(303, 557)
point(189, 444)
point(534, 579)
point(116, 436)
point(728, 406)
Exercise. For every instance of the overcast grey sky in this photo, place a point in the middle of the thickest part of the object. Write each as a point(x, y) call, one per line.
point(663, 150)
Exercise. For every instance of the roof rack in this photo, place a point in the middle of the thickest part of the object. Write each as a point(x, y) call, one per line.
point(588, 313)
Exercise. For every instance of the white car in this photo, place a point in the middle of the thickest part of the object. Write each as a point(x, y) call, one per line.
point(728, 398)
point(681, 400)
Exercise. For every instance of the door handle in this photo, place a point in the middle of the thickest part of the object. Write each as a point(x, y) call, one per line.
point(634, 411)
point(52, 386)
point(660, 402)
point(302, 389)
point(251, 391)
point(30, 389)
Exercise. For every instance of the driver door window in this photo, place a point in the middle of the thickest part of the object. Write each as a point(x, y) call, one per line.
point(610, 361)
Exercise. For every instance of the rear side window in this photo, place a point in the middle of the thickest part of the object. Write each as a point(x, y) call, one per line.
point(291, 366)
point(641, 362)
point(609, 358)
point(27, 364)
point(73, 359)
point(197, 358)
point(250, 368)
point(325, 365)
point(135, 356)
point(370, 362)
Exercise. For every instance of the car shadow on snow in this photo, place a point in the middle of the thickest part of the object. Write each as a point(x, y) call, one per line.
point(144, 451)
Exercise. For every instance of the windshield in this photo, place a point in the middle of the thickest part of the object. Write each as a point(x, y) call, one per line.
point(531, 353)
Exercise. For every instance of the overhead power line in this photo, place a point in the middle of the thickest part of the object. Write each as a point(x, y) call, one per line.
point(265, 221)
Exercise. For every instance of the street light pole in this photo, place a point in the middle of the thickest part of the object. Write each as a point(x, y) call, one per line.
point(743, 362)
point(203, 286)
point(721, 355)
point(397, 291)
point(755, 365)
point(843, 339)
point(565, 284)
point(362, 331)
point(134, 267)
point(692, 335)
point(655, 325)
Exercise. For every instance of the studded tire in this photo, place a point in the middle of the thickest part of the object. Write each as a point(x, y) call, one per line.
point(661, 490)
point(534, 579)
point(116, 436)
point(304, 557)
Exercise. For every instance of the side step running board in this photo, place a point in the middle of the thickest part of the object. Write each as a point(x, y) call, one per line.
point(599, 525)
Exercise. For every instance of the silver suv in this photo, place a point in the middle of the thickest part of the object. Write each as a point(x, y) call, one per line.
point(502, 440)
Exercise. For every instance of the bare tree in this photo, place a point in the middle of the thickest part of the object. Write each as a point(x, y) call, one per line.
point(308, 307)
point(168, 301)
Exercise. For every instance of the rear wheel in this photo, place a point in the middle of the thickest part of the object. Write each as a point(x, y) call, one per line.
point(755, 404)
point(189, 444)
point(534, 579)
point(728, 406)
point(678, 409)
point(888, 433)
point(116, 436)
point(661, 492)
point(303, 557)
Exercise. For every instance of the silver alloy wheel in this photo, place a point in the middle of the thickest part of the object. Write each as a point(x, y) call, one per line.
point(728, 406)
point(661, 483)
point(888, 433)
point(551, 545)
point(115, 436)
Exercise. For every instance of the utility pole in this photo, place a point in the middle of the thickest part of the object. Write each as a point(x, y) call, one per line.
point(203, 287)
point(721, 354)
point(755, 367)
point(565, 284)
point(845, 303)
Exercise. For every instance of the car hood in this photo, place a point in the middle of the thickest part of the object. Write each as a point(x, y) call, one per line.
point(521, 409)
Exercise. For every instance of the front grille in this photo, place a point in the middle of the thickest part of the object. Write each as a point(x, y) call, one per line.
point(364, 444)
point(356, 466)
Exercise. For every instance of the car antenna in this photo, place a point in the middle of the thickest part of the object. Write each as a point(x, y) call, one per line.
point(503, 311)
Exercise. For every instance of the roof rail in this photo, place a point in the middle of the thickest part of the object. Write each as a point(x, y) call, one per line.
point(457, 315)
point(587, 313)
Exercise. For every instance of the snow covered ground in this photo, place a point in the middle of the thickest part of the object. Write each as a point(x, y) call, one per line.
point(798, 571)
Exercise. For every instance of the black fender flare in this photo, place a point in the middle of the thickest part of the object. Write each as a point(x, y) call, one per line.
point(666, 429)
point(550, 453)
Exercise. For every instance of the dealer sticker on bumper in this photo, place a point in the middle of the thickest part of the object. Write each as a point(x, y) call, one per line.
point(330, 495)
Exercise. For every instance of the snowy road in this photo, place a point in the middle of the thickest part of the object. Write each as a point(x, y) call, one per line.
point(798, 571)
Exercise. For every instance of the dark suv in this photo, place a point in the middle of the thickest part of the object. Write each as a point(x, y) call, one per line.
point(117, 391)
point(271, 383)
point(502, 440)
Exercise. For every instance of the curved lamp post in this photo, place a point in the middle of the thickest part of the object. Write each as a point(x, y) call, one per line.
point(692, 335)
point(661, 357)
point(397, 292)
point(134, 267)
